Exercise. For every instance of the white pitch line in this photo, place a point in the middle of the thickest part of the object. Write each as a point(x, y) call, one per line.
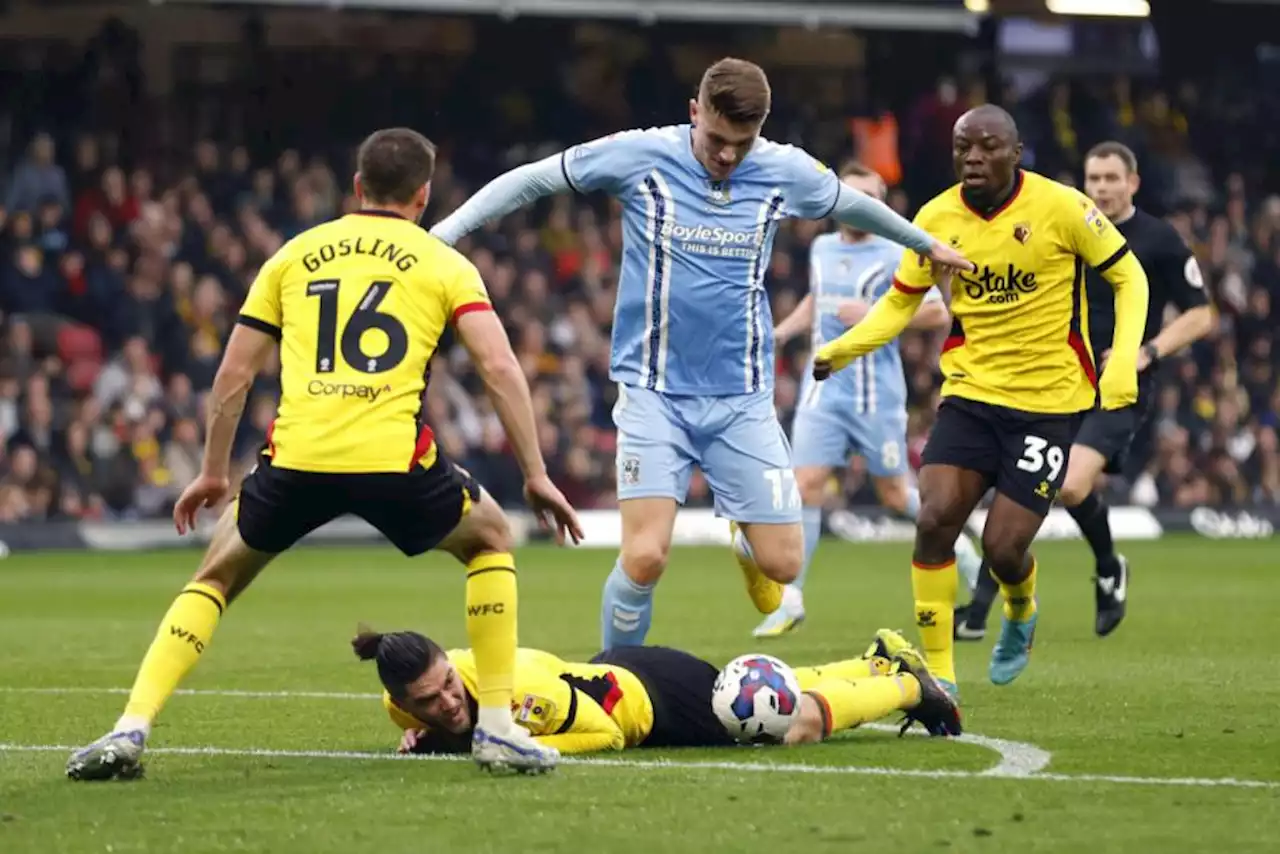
point(677, 765)
point(206, 692)
point(1017, 759)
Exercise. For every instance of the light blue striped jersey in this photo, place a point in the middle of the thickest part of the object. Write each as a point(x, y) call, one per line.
point(692, 316)
point(839, 271)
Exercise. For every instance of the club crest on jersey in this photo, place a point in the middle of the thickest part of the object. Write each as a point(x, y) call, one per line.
point(718, 193)
point(954, 241)
point(1022, 232)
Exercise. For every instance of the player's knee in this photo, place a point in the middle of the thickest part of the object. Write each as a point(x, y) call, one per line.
point(812, 483)
point(1074, 491)
point(644, 559)
point(486, 530)
point(1005, 556)
point(936, 524)
point(780, 554)
point(229, 565)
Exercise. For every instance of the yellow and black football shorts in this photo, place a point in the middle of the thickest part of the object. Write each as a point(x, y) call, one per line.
point(1022, 454)
point(415, 510)
point(679, 687)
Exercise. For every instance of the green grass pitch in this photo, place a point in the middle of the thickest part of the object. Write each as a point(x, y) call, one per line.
point(1185, 691)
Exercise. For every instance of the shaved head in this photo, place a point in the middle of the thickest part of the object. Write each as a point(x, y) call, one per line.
point(991, 119)
point(985, 151)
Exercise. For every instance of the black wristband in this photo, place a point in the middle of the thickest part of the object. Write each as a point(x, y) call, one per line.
point(1153, 355)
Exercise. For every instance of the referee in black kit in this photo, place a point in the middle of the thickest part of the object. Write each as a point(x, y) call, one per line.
point(1111, 180)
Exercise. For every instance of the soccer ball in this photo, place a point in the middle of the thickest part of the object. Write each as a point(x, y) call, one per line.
point(757, 698)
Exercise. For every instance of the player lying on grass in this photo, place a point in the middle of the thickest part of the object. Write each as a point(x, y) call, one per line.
point(639, 696)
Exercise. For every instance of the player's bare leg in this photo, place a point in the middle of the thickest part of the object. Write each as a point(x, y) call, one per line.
point(482, 542)
point(948, 496)
point(770, 556)
point(228, 568)
point(812, 483)
point(1006, 542)
point(898, 496)
point(626, 608)
point(1079, 495)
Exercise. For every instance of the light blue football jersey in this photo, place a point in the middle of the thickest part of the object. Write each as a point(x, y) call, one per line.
point(692, 316)
point(838, 271)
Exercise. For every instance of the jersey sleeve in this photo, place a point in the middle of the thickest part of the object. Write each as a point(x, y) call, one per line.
point(1090, 235)
point(262, 307)
point(914, 274)
point(811, 187)
point(464, 290)
point(605, 163)
point(402, 719)
point(885, 278)
point(1182, 274)
point(559, 715)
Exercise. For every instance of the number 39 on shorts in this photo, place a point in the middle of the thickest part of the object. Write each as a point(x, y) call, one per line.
point(1038, 455)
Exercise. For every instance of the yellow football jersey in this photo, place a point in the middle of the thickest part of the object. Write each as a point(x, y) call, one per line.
point(1019, 335)
point(569, 705)
point(358, 305)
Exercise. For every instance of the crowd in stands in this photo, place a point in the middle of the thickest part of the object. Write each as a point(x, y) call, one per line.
point(120, 280)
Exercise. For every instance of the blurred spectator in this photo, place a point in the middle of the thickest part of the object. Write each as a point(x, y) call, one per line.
point(38, 178)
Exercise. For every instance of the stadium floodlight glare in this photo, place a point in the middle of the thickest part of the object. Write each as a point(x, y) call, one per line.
point(1107, 8)
point(978, 7)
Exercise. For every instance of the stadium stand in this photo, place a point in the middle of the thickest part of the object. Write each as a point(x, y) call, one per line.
point(127, 247)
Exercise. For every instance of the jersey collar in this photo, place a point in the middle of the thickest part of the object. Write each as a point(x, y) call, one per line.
point(378, 212)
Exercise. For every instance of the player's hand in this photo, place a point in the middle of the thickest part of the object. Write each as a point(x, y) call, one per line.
point(553, 510)
point(949, 257)
point(409, 741)
point(205, 491)
point(942, 276)
point(851, 311)
point(830, 359)
point(821, 368)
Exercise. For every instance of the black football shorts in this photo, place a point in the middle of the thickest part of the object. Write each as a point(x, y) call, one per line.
point(1111, 432)
point(680, 687)
point(1022, 454)
point(415, 510)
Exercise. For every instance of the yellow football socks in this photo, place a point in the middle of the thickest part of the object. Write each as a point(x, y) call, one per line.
point(491, 628)
point(854, 668)
point(1020, 598)
point(846, 704)
point(184, 633)
point(934, 588)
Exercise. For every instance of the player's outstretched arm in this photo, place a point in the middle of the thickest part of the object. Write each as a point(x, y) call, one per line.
point(885, 322)
point(504, 194)
point(860, 211)
point(485, 339)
